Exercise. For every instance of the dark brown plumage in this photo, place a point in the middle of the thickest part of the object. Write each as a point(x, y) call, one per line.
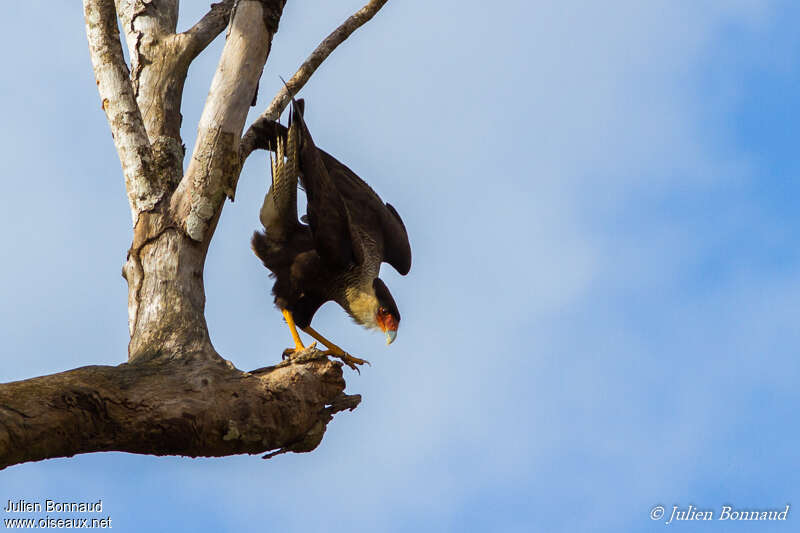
point(337, 255)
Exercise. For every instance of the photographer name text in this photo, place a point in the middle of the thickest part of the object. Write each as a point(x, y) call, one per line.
point(52, 506)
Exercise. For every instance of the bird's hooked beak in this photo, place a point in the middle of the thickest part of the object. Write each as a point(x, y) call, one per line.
point(391, 335)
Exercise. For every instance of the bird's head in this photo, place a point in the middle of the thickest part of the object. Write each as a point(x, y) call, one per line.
point(387, 316)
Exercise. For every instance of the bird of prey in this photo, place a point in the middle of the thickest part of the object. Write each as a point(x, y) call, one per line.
point(336, 251)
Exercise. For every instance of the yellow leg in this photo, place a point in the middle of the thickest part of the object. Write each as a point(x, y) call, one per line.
point(335, 351)
point(298, 344)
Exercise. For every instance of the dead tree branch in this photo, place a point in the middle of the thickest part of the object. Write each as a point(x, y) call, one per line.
point(119, 104)
point(174, 407)
point(303, 74)
point(199, 36)
point(159, 63)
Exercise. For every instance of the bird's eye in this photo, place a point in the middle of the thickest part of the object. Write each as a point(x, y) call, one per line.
point(382, 311)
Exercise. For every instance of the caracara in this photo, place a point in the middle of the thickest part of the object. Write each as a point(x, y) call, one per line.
point(336, 255)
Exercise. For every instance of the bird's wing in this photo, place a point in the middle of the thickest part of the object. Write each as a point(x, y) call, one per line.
point(396, 248)
point(328, 218)
point(371, 214)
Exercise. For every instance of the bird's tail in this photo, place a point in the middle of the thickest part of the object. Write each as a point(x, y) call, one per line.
point(278, 213)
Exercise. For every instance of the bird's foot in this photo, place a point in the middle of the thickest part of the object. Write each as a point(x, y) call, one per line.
point(346, 358)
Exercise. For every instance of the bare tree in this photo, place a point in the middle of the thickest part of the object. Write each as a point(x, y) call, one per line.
point(176, 394)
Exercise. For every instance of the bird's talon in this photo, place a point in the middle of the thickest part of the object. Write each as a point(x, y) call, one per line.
point(347, 359)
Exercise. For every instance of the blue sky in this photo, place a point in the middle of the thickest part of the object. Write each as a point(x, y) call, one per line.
point(602, 311)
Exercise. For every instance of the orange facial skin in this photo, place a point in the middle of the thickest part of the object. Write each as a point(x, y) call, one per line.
point(385, 320)
point(388, 324)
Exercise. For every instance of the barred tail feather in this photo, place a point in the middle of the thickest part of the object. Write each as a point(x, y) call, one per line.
point(278, 213)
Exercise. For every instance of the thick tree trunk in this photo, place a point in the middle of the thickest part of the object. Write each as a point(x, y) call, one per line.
point(166, 297)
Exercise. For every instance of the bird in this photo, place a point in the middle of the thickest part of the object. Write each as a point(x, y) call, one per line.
point(335, 251)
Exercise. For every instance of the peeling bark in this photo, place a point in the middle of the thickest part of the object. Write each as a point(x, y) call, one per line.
point(159, 64)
